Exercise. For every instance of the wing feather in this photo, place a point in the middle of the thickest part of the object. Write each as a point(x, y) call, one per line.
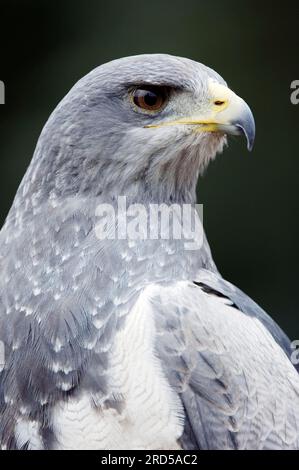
point(238, 387)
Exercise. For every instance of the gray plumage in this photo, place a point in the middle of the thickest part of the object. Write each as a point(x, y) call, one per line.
point(65, 295)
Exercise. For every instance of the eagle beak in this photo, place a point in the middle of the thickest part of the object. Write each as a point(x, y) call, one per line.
point(226, 113)
point(240, 121)
point(236, 118)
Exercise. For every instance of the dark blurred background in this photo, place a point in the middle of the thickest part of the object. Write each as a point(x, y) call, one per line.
point(250, 200)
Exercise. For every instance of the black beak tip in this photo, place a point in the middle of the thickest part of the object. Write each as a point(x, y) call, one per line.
point(248, 130)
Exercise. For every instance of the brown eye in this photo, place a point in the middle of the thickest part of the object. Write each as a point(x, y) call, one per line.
point(150, 98)
point(219, 102)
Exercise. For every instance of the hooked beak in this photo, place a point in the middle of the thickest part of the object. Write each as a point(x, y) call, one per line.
point(226, 113)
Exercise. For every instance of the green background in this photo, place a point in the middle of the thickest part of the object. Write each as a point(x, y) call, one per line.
point(250, 200)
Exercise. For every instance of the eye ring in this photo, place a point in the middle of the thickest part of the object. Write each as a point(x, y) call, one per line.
point(149, 98)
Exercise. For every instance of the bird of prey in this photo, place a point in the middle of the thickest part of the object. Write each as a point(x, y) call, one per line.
point(123, 342)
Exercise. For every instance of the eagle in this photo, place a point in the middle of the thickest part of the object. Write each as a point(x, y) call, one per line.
point(131, 339)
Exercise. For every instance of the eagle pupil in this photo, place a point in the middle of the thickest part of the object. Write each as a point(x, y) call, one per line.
point(150, 98)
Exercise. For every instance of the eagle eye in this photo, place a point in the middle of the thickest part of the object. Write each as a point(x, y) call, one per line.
point(149, 98)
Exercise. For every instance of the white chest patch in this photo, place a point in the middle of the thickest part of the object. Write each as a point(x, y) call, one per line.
point(152, 415)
